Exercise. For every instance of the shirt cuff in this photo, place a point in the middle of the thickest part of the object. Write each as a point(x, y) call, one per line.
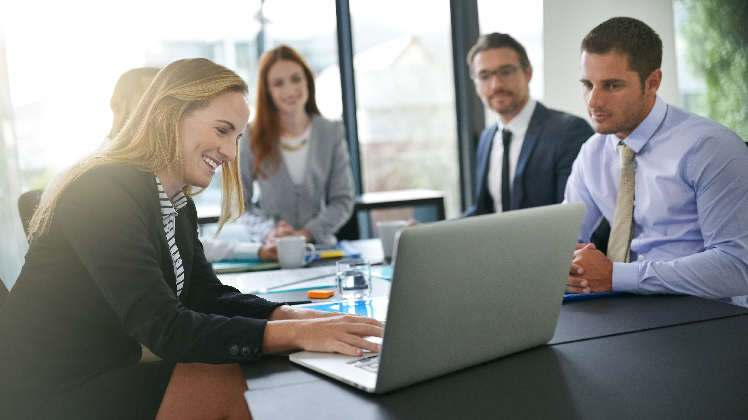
point(625, 277)
point(247, 250)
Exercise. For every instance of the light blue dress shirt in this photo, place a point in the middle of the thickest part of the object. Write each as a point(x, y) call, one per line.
point(691, 204)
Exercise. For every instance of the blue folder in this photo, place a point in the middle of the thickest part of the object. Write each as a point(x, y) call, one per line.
point(373, 308)
point(579, 296)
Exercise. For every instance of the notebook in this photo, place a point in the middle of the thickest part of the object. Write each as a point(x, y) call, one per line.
point(465, 292)
point(241, 266)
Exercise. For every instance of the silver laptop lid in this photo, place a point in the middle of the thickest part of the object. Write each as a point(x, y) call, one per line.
point(475, 289)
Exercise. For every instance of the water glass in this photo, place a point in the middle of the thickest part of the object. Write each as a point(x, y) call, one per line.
point(354, 278)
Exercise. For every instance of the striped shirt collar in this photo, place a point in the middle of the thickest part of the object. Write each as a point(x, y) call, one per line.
point(169, 214)
point(167, 207)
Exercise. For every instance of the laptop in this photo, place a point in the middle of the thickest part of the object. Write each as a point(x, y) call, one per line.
point(465, 292)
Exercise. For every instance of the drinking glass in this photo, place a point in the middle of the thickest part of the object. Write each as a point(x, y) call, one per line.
point(354, 278)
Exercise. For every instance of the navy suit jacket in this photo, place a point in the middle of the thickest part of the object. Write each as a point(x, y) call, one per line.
point(551, 144)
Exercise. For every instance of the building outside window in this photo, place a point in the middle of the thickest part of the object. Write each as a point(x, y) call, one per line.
point(712, 60)
point(405, 97)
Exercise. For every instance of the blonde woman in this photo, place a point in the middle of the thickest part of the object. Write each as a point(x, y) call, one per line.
point(114, 268)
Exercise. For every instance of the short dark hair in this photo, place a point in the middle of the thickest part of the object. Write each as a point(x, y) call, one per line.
point(496, 40)
point(631, 37)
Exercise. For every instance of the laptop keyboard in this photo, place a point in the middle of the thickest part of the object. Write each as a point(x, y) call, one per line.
point(369, 364)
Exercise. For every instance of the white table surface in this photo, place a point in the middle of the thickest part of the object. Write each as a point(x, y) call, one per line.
point(370, 249)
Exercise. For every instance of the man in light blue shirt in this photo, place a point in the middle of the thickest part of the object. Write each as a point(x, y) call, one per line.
point(689, 231)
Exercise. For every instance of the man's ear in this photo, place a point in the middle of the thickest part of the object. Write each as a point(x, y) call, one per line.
point(653, 81)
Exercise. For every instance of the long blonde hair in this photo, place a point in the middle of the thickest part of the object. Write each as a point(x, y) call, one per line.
point(150, 139)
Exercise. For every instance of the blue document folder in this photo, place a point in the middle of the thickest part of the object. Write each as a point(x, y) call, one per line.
point(373, 308)
point(577, 296)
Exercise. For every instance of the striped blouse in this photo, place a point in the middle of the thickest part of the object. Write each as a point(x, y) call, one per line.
point(169, 213)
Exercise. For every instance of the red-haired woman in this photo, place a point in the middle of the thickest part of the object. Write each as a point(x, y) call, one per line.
point(299, 158)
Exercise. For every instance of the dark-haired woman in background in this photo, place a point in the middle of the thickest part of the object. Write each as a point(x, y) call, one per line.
point(299, 158)
point(114, 268)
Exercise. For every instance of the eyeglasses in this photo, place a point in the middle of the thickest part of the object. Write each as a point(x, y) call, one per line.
point(504, 73)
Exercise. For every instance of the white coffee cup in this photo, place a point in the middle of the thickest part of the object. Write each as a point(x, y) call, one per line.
point(387, 233)
point(292, 251)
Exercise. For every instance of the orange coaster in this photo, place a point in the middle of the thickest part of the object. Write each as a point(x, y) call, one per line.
point(320, 294)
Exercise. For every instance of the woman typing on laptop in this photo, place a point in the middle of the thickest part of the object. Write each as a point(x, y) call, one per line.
point(115, 268)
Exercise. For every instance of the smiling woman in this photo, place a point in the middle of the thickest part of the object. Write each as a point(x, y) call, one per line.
point(115, 268)
point(298, 158)
point(209, 137)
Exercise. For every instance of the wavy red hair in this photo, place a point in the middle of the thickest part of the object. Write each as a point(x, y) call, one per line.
point(265, 136)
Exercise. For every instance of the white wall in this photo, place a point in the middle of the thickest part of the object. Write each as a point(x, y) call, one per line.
point(566, 22)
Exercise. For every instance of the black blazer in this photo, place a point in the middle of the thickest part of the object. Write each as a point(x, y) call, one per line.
point(101, 281)
point(551, 144)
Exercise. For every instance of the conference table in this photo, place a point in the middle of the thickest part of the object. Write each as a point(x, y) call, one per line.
point(623, 356)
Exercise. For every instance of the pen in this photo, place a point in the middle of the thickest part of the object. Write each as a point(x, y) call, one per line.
point(298, 302)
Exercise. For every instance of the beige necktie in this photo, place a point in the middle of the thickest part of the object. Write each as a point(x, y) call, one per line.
point(619, 243)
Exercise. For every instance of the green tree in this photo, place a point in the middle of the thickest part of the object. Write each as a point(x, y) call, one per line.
point(716, 32)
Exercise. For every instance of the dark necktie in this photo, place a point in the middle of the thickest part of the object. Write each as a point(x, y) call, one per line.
point(506, 195)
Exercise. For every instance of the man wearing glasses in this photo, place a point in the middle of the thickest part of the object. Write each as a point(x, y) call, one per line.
point(523, 160)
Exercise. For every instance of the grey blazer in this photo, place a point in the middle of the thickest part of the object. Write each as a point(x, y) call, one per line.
point(325, 201)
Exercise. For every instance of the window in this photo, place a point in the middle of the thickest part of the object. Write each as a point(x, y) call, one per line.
point(312, 31)
point(61, 77)
point(61, 85)
point(405, 96)
point(712, 60)
point(524, 22)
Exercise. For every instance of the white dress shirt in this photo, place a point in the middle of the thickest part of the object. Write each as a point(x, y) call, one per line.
point(229, 249)
point(296, 159)
point(518, 126)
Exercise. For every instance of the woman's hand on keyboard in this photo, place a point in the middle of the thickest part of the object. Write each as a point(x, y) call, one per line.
point(336, 333)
